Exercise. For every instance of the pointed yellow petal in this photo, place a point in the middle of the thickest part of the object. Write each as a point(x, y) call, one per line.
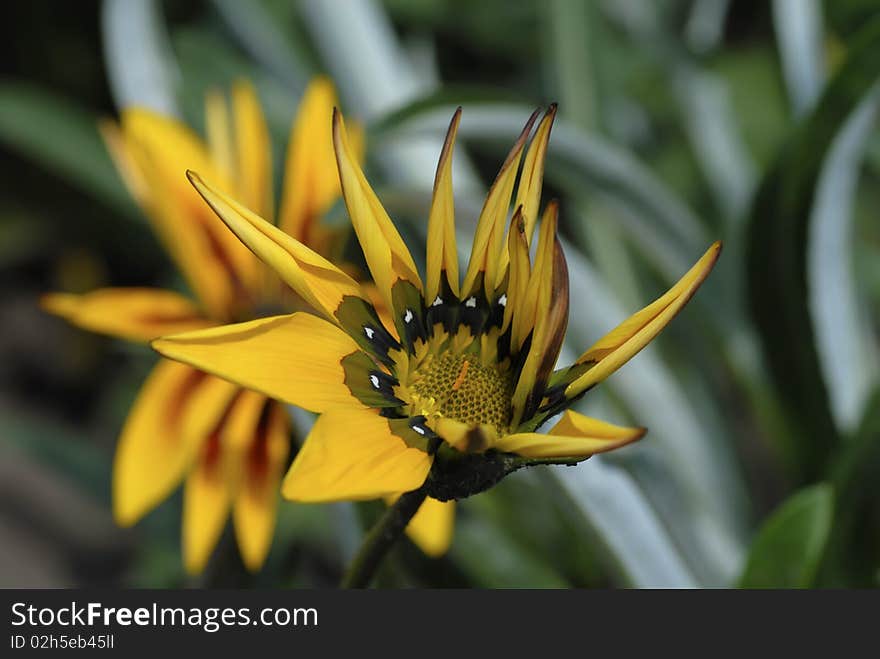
point(253, 149)
point(528, 194)
point(218, 267)
point(237, 432)
point(137, 314)
point(532, 177)
point(311, 180)
point(387, 255)
point(432, 527)
point(240, 426)
point(219, 131)
point(575, 436)
point(206, 500)
point(385, 314)
point(527, 311)
point(442, 252)
point(489, 237)
point(256, 503)
point(175, 411)
point(292, 358)
point(351, 454)
point(230, 461)
point(548, 292)
point(618, 346)
point(318, 281)
point(519, 274)
point(120, 152)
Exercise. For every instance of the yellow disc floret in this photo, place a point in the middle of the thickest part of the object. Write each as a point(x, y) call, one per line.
point(459, 387)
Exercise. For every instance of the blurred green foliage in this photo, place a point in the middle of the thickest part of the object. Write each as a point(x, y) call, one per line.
point(788, 549)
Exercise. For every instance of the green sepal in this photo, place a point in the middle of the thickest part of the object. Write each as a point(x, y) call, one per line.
point(361, 322)
point(370, 385)
point(413, 431)
point(409, 313)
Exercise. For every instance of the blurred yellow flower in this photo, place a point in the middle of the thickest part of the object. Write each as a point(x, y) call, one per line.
point(447, 397)
point(228, 444)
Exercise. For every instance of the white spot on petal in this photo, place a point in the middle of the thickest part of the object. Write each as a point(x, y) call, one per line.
point(369, 331)
point(471, 302)
point(503, 300)
point(419, 430)
point(408, 316)
point(375, 380)
point(437, 301)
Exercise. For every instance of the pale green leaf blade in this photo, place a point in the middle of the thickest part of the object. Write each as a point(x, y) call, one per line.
point(789, 546)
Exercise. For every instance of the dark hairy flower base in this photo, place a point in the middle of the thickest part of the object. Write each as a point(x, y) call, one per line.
point(456, 475)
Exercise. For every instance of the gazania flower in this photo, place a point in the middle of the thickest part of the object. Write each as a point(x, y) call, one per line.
point(449, 396)
point(229, 445)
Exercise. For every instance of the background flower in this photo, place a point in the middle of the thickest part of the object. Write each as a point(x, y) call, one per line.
point(229, 446)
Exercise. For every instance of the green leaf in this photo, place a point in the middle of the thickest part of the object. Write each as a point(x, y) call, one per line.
point(777, 259)
point(798, 25)
point(716, 139)
point(571, 30)
point(846, 17)
point(852, 559)
point(63, 138)
point(487, 550)
point(625, 525)
point(140, 65)
point(845, 339)
point(58, 447)
point(788, 548)
point(270, 34)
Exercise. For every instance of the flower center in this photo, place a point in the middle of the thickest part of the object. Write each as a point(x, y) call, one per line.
point(460, 387)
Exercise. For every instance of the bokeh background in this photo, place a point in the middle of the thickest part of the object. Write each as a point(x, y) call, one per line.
point(681, 122)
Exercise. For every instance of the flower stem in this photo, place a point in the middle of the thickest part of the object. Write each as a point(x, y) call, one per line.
point(381, 538)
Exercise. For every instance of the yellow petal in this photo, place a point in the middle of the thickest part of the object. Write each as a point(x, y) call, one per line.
point(240, 425)
point(219, 131)
point(465, 437)
point(531, 180)
point(292, 358)
point(120, 152)
point(385, 314)
point(253, 149)
point(432, 527)
point(618, 346)
point(256, 503)
point(527, 312)
point(137, 314)
point(547, 294)
point(217, 266)
point(528, 193)
point(238, 429)
point(220, 474)
point(351, 454)
point(318, 281)
point(488, 240)
point(175, 411)
point(206, 501)
point(442, 253)
point(387, 255)
point(574, 436)
point(519, 274)
point(311, 180)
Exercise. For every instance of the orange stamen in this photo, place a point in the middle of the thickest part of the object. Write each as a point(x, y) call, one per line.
point(461, 376)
